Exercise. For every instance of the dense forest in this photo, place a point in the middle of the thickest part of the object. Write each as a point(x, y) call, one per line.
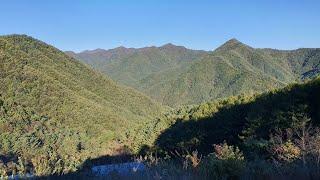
point(258, 114)
point(51, 103)
point(174, 75)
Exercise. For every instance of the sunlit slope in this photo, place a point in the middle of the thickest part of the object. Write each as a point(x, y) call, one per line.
point(70, 94)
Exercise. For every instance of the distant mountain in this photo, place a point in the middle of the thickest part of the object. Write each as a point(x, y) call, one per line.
point(129, 66)
point(174, 75)
point(50, 102)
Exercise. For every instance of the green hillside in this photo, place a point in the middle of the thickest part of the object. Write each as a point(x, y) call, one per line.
point(174, 75)
point(304, 63)
point(129, 66)
point(51, 103)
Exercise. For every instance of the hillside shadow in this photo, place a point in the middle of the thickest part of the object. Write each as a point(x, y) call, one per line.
point(261, 117)
point(108, 159)
point(200, 134)
point(5, 158)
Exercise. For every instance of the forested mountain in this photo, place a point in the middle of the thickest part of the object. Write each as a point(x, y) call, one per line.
point(174, 75)
point(129, 65)
point(52, 103)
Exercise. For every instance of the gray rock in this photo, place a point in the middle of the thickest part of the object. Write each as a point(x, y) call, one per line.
point(121, 169)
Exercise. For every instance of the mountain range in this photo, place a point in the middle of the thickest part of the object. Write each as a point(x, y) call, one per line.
point(174, 75)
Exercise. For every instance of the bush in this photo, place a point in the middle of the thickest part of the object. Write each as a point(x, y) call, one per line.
point(22, 166)
point(193, 159)
point(286, 152)
point(52, 164)
point(3, 171)
point(226, 162)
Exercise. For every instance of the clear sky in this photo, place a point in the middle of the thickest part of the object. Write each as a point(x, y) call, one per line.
point(197, 24)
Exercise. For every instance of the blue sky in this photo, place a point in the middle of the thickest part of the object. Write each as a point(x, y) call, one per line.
point(197, 24)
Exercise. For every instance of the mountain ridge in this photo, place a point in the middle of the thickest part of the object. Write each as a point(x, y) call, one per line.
point(161, 72)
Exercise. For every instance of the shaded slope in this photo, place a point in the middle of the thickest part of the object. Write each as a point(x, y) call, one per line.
point(245, 120)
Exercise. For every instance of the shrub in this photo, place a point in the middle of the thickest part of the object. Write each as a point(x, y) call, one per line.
point(226, 162)
point(42, 165)
point(3, 171)
point(52, 164)
point(194, 159)
point(226, 152)
point(287, 152)
point(22, 166)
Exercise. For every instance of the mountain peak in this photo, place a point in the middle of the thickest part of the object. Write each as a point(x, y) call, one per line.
point(233, 40)
point(231, 44)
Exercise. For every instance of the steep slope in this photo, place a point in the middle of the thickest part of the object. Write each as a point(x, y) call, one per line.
point(303, 63)
point(244, 57)
point(84, 111)
point(209, 78)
